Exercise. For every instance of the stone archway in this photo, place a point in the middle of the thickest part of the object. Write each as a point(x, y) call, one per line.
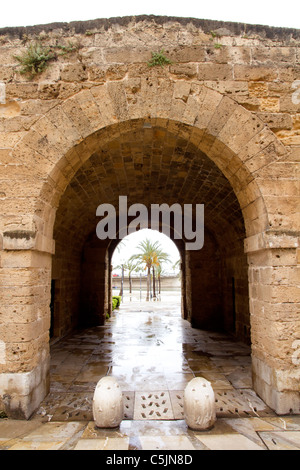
point(64, 139)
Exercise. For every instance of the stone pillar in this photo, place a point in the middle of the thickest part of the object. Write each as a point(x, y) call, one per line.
point(94, 284)
point(275, 324)
point(205, 286)
point(25, 272)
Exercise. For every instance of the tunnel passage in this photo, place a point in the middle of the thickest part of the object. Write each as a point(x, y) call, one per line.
point(151, 163)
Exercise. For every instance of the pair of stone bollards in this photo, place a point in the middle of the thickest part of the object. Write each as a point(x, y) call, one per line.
point(199, 404)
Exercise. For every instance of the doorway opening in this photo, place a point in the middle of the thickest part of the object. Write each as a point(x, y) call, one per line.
point(146, 267)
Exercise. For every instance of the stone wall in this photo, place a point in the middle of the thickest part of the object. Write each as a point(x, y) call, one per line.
point(256, 66)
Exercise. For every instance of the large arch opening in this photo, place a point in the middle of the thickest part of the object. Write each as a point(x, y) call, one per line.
point(150, 163)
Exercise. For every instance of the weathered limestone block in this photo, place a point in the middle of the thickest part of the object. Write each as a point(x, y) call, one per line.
point(199, 404)
point(22, 90)
point(275, 386)
point(126, 55)
point(184, 70)
point(74, 73)
point(105, 104)
point(19, 240)
point(255, 73)
point(117, 94)
point(201, 105)
point(277, 121)
point(108, 406)
point(83, 112)
point(215, 72)
point(22, 392)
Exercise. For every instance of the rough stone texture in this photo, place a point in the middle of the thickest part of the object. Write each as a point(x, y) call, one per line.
point(218, 126)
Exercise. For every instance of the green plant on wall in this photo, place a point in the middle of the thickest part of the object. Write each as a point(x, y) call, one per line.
point(159, 58)
point(215, 35)
point(35, 59)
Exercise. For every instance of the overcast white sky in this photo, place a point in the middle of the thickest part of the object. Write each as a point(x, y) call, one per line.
point(131, 242)
point(266, 12)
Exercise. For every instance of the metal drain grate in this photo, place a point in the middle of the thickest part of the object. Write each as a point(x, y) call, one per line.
point(153, 405)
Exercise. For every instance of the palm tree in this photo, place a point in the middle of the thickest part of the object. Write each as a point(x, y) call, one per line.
point(129, 266)
point(151, 255)
point(177, 265)
point(160, 272)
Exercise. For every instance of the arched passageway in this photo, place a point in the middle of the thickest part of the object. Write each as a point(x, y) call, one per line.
point(133, 164)
point(155, 142)
point(152, 163)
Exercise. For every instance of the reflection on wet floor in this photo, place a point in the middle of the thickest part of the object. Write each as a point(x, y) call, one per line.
point(153, 353)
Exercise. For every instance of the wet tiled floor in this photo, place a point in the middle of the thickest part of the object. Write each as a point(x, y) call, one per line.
point(153, 354)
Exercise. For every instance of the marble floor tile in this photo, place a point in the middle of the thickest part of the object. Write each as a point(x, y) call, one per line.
point(281, 440)
point(218, 380)
point(228, 442)
point(108, 443)
point(289, 423)
point(240, 377)
point(91, 431)
point(12, 429)
point(166, 443)
point(37, 445)
point(54, 432)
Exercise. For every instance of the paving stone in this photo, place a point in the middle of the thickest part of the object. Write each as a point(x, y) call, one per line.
point(91, 431)
point(166, 443)
point(12, 429)
point(228, 442)
point(37, 445)
point(114, 443)
point(287, 440)
point(290, 423)
point(54, 431)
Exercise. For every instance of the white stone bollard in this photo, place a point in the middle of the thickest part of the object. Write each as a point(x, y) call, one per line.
point(108, 409)
point(199, 404)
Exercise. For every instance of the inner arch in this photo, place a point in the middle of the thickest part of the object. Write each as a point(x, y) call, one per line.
point(130, 274)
